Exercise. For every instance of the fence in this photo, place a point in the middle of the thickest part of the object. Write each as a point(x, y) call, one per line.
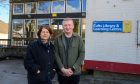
point(16, 42)
point(14, 47)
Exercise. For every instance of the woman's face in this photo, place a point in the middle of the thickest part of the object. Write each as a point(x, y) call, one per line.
point(44, 34)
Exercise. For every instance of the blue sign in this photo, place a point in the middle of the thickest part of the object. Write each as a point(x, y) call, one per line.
point(107, 26)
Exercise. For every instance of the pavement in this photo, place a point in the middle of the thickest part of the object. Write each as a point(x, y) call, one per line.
point(13, 72)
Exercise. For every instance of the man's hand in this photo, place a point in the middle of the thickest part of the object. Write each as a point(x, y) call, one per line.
point(67, 72)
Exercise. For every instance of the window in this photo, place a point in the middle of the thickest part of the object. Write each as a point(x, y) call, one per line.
point(30, 28)
point(84, 6)
point(18, 8)
point(43, 22)
point(44, 7)
point(30, 8)
point(15, 0)
point(17, 31)
point(76, 26)
point(56, 25)
point(58, 7)
point(83, 27)
point(73, 6)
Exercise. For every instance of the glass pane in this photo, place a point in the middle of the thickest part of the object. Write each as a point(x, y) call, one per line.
point(83, 28)
point(18, 28)
point(16, 0)
point(58, 7)
point(73, 6)
point(84, 6)
point(76, 26)
point(43, 22)
point(18, 8)
point(56, 25)
point(30, 28)
point(30, 8)
point(43, 7)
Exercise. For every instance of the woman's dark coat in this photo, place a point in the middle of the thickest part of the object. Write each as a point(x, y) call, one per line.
point(39, 57)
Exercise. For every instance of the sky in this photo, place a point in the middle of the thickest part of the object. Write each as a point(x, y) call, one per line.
point(4, 10)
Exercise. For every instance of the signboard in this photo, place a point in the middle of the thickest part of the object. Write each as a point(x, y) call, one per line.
point(107, 26)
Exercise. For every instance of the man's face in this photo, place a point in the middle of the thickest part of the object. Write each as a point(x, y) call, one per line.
point(68, 26)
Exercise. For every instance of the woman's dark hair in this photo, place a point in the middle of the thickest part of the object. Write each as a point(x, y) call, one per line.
point(45, 27)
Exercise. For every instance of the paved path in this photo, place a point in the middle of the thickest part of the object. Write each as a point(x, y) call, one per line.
point(13, 72)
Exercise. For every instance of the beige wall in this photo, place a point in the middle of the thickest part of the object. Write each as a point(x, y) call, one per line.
point(3, 36)
point(3, 28)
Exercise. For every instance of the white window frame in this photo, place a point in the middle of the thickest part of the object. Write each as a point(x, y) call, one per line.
point(14, 13)
point(44, 12)
point(59, 10)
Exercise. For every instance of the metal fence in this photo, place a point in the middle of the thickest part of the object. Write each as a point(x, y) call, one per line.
point(15, 42)
point(14, 47)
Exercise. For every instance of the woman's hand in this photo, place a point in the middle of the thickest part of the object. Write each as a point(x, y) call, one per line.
point(38, 71)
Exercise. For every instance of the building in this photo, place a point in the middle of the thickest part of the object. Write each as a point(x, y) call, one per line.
point(113, 36)
point(3, 30)
point(3, 33)
point(27, 15)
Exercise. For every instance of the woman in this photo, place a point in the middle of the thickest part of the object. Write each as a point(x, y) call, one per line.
point(39, 61)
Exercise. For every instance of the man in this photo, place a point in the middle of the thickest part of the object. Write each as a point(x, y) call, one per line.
point(70, 53)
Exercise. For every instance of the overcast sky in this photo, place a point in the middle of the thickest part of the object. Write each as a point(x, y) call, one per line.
point(4, 10)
